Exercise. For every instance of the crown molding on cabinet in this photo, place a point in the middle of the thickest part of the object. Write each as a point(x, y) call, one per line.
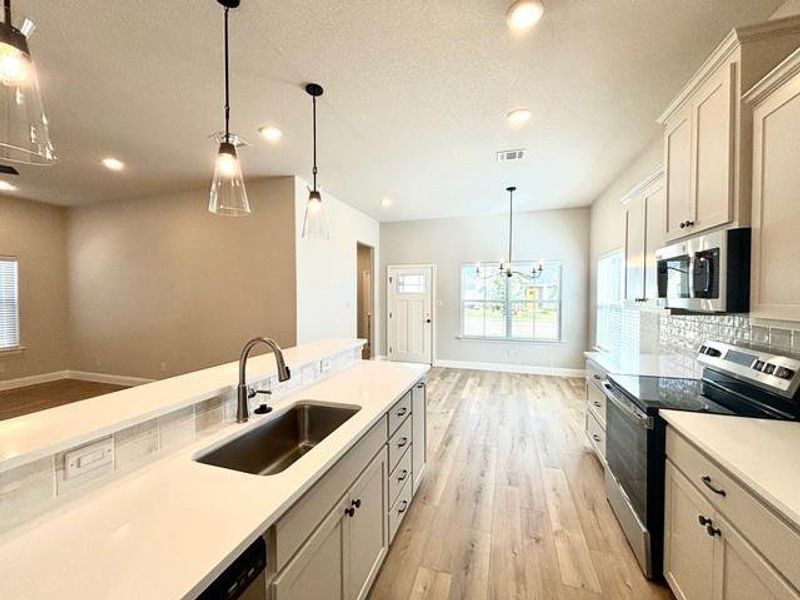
point(775, 79)
point(732, 42)
point(654, 177)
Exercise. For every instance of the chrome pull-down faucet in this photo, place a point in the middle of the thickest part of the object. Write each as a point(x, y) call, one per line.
point(243, 393)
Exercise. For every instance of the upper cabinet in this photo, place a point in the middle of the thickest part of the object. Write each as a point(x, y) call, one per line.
point(708, 149)
point(775, 101)
point(645, 232)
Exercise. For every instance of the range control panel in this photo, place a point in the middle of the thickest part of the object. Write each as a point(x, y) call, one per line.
point(776, 372)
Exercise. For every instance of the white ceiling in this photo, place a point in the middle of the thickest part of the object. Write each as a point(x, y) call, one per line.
point(415, 102)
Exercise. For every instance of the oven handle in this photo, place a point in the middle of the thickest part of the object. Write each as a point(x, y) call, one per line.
point(629, 409)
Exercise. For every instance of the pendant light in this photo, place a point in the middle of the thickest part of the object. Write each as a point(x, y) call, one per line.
point(228, 194)
point(24, 134)
point(315, 223)
point(506, 266)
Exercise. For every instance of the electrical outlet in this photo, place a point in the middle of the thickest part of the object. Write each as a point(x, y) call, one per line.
point(88, 458)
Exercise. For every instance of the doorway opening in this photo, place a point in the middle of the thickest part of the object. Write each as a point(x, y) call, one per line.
point(365, 298)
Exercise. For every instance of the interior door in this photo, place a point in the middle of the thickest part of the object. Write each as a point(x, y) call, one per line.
point(409, 314)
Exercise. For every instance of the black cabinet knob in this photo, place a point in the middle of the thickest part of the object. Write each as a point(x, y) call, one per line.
point(356, 503)
point(350, 511)
point(683, 225)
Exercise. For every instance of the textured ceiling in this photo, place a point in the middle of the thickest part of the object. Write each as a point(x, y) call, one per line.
point(415, 102)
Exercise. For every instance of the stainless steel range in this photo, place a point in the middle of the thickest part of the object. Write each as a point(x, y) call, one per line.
point(738, 380)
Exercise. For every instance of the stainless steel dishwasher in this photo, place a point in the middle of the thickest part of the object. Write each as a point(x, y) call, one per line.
point(244, 579)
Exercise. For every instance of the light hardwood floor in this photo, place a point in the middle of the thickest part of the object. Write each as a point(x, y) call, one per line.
point(33, 398)
point(513, 505)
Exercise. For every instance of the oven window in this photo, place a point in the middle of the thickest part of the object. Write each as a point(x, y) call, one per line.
point(626, 455)
point(673, 277)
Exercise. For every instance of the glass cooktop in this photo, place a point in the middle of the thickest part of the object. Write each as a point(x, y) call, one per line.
point(654, 393)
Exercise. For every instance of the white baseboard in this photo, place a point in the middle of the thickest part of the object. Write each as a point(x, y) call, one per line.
point(108, 378)
point(12, 384)
point(510, 368)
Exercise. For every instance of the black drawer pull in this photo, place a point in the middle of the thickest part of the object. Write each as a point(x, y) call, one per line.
point(597, 404)
point(356, 503)
point(596, 438)
point(403, 507)
point(350, 511)
point(402, 412)
point(703, 520)
point(706, 479)
point(402, 442)
point(712, 531)
point(403, 475)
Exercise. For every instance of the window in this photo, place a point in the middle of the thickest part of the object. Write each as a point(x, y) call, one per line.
point(610, 277)
point(411, 284)
point(494, 306)
point(9, 304)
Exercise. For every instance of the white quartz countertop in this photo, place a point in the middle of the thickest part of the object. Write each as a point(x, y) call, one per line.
point(26, 438)
point(762, 454)
point(167, 530)
point(659, 365)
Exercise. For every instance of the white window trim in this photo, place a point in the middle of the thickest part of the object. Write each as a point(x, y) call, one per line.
point(507, 339)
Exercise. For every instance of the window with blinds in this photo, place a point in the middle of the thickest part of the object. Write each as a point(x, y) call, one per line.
point(9, 303)
point(610, 278)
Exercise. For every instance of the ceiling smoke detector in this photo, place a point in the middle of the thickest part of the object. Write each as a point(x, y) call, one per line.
point(510, 155)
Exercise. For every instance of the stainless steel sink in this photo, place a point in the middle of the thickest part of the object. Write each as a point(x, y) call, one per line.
point(280, 442)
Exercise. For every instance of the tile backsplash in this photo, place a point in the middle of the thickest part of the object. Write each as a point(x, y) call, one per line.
point(682, 335)
point(34, 488)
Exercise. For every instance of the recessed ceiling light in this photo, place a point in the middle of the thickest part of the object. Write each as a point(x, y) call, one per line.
point(519, 116)
point(113, 164)
point(386, 202)
point(273, 134)
point(5, 186)
point(524, 14)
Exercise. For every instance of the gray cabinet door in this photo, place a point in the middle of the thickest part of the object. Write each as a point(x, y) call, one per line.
point(419, 418)
point(366, 535)
point(317, 570)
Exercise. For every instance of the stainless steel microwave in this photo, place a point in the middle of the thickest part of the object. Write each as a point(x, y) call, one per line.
point(706, 274)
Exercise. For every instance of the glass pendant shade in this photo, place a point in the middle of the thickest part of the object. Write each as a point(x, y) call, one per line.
point(228, 194)
point(315, 223)
point(24, 134)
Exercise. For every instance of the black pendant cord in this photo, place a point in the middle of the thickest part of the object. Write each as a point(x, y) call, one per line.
point(227, 83)
point(314, 170)
point(510, 224)
point(7, 12)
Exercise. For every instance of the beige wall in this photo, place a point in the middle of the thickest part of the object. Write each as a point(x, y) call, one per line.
point(159, 286)
point(607, 231)
point(327, 271)
point(787, 9)
point(561, 235)
point(36, 234)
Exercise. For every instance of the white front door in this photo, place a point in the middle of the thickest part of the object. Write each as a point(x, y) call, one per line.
point(409, 314)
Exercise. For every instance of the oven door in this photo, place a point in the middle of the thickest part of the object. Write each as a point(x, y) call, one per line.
point(627, 434)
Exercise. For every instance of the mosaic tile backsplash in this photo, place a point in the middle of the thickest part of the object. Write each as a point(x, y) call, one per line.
point(681, 335)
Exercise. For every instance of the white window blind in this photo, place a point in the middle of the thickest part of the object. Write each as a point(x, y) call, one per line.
point(610, 274)
point(9, 303)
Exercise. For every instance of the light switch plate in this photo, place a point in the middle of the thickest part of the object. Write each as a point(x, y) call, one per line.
point(88, 458)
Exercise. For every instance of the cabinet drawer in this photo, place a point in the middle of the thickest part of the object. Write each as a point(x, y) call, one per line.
point(765, 530)
point(597, 436)
point(594, 374)
point(399, 412)
point(399, 443)
point(399, 476)
point(399, 509)
point(296, 525)
point(596, 400)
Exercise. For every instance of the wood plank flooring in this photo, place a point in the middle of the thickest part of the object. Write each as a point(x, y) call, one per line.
point(33, 398)
point(513, 505)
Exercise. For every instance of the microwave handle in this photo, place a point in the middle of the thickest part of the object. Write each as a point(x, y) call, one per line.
point(705, 282)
